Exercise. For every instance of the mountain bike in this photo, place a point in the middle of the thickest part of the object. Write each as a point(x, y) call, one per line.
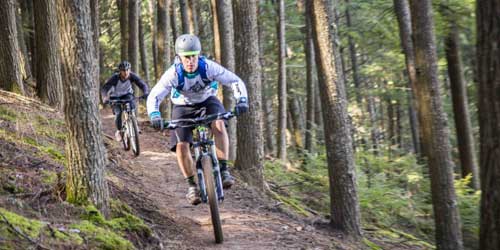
point(130, 129)
point(207, 165)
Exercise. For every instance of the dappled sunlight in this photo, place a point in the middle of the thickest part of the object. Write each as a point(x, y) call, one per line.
point(154, 156)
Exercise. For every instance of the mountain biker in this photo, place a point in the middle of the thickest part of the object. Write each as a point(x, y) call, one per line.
point(119, 87)
point(190, 81)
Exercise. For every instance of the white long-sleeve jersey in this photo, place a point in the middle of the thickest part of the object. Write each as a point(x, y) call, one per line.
point(194, 90)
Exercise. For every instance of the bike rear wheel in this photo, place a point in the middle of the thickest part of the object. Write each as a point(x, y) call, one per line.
point(134, 135)
point(206, 163)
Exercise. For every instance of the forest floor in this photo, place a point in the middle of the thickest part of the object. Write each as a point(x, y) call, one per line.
point(150, 186)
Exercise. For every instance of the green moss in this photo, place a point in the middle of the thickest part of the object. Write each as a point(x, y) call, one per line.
point(7, 114)
point(122, 219)
point(25, 225)
point(49, 177)
point(371, 245)
point(103, 238)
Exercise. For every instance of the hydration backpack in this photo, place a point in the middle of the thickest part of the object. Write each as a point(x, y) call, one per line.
point(202, 70)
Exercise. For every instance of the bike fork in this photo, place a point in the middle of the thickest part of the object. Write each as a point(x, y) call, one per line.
point(217, 176)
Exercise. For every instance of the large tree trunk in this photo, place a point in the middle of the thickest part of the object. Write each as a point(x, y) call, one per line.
point(311, 84)
point(123, 6)
point(226, 34)
point(488, 69)
point(173, 20)
point(85, 150)
point(344, 208)
point(215, 25)
point(402, 10)
point(282, 95)
point(250, 156)
point(10, 72)
point(468, 162)
point(133, 40)
point(48, 77)
point(435, 135)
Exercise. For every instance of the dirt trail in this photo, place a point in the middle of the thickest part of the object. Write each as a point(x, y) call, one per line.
point(249, 222)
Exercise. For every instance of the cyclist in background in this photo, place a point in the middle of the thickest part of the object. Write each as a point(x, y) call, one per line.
point(119, 87)
point(192, 85)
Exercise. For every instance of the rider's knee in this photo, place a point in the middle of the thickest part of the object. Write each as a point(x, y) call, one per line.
point(183, 147)
point(218, 127)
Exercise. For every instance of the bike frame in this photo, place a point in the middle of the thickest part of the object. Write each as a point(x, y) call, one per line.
point(203, 145)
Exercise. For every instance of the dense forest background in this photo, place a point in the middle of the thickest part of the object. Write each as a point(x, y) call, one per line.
point(378, 116)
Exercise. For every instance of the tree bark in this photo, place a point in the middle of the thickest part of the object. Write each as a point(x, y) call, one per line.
point(311, 84)
point(29, 35)
point(192, 17)
point(123, 6)
point(10, 72)
point(488, 69)
point(435, 134)
point(163, 38)
point(26, 74)
point(468, 161)
point(184, 16)
point(226, 34)
point(282, 95)
point(133, 40)
point(344, 208)
point(173, 20)
point(85, 150)
point(217, 33)
point(267, 102)
point(49, 81)
point(142, 49)
point(250, 156)
point(402, 10)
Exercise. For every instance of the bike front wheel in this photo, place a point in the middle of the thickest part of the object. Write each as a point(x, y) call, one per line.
point(134, 135)
point(206, 163)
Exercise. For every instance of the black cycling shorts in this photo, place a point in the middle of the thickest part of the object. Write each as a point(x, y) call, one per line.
point(210, 106)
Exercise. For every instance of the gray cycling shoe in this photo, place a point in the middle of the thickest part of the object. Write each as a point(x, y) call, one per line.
point(227, 179)
point(193, 195)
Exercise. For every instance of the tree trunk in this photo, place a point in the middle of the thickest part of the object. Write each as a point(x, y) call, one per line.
point(10, 72)
point(123, 6)
point(173, 20)
point(49, 81)
point(488, 69)
point(402, 10)
point(133, 40)
point(226, 34)
point(95, 24)
point(28, 24)
point(163, 44)
point(267, 102)
point(154, 37)
point(435, 135)
point(192, 17)
point(250, 156)
point(215, 19)
point(184, 16)
point(354, 59)
point(344, 208)
point(282, 95)
point(468, 162)
point(85, 150)
point(311, 84)
point(142, 50)
point(24, 58)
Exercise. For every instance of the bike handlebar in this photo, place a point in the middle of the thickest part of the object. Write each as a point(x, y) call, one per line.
point(193, 122)
point(121, 101)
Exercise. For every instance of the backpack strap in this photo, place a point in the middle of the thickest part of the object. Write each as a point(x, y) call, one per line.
point(202, 70)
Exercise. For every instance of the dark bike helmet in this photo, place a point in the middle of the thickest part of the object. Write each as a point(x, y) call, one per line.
point(124, 65)
point(187, 45)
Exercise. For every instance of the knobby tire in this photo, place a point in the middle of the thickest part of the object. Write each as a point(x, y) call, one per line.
point(134, 136)
point(206, 163)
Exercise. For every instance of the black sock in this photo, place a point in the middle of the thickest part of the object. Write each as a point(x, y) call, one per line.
point(223, 165)
point(190, 181)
